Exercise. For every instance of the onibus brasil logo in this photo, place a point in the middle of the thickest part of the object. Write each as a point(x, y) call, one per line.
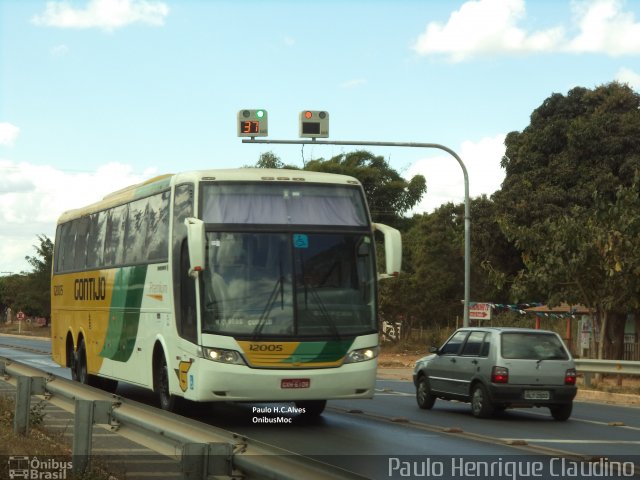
point(40, 469)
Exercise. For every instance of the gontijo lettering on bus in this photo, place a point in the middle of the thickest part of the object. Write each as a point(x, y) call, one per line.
point(90, 288)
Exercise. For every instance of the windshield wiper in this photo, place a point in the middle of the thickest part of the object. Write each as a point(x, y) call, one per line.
point(262, 321)
point(323, 310)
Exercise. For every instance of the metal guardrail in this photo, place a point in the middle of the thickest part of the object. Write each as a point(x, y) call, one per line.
point(623, 367)
point(588, 366)
point(203, 450)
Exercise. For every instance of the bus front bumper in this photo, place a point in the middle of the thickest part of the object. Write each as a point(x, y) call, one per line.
point(220, 382)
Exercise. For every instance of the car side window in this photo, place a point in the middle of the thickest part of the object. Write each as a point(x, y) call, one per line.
point(473, 346)
point(452, 347)
point(486, 346)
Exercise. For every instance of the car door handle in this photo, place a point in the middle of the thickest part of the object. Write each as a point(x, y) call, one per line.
point(475, 362)
point(453, 360)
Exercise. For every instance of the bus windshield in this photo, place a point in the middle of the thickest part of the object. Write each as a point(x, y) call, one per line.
point(283, 204)
point(288, 284)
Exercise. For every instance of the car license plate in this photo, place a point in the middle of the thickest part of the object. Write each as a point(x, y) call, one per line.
point(295, 383)
point(536, 395)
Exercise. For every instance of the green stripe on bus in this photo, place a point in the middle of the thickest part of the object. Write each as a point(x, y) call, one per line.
point(124, 314)
point(311, 352)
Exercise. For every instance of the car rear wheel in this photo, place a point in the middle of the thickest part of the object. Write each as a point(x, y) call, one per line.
point(561, 412)
point(424, 397)
point(481, 405)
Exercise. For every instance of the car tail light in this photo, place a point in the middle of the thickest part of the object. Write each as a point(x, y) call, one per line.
point(500, 375)
point(570, 377)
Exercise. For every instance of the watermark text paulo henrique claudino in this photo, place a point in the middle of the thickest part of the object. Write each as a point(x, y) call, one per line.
point(502, 468)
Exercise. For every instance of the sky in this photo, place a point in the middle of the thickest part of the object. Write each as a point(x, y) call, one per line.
point(100, 94)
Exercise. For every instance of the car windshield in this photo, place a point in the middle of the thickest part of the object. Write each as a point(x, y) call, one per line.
point(532, 346)
point(288, 284)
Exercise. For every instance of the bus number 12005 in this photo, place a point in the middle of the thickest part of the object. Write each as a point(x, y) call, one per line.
point(261, 347)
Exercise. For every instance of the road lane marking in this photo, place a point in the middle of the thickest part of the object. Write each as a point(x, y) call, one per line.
point(583, 420)
point(565, 440)
point(386, 391)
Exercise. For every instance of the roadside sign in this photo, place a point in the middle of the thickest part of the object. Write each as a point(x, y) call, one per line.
point(479, 311)
point(20, 316)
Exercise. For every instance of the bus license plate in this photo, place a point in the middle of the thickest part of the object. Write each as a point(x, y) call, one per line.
point(536, 395)
point(295, 383)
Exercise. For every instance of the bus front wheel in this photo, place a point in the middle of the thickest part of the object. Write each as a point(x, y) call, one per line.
point(82, 374)
point(161, 384)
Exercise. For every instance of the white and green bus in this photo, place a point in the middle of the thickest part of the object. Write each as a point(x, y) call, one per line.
point(241, 285)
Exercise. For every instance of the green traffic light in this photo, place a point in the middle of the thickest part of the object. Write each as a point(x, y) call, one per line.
point(260, 113)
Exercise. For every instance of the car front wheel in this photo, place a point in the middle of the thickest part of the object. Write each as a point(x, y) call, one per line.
point(424, 397)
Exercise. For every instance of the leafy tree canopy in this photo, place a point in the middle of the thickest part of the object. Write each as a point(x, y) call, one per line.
point(570, 197)
point(30, 292)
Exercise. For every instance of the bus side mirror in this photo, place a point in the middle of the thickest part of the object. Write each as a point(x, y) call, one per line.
point(196, 244)
point(392, 250)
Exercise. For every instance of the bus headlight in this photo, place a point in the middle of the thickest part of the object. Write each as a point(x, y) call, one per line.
point(223, 356)
point(362, 355)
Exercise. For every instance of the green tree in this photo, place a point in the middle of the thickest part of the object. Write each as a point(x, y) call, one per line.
point(434, 262)
point(30, 292)
point(271, 160)
point(40, 278)
point(568, 198)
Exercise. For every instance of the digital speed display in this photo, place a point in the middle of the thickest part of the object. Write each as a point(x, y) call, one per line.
point(249, 126)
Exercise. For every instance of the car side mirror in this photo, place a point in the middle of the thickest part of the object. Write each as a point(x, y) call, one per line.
point(435, 350)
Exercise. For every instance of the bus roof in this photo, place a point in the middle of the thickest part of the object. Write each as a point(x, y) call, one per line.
point(163, 182)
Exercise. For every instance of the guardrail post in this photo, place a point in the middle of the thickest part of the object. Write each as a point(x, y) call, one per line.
point(25, 387)
point(587, 379)
point(87, 413)
point(220, 459)
point(201, 460)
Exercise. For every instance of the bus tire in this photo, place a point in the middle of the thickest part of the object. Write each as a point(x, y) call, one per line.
point(161, 386)
point(312, 408)
point(82, 371)
point(109, 385)
point(72, 360)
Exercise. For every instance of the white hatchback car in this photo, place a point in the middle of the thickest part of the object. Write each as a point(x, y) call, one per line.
point(496, 368)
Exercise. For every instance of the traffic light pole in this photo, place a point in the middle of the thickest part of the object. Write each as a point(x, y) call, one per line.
point(467, 208)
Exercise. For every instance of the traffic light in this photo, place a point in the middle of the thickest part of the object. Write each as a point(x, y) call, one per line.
point(314, 124)
point(253, 123)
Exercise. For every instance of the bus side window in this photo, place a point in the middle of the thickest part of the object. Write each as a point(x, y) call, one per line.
point(136, 232)
point(114, 241)
point(158, 228)
point(95, 242)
